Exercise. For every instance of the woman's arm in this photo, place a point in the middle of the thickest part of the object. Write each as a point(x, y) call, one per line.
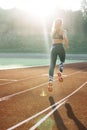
point(65, 40)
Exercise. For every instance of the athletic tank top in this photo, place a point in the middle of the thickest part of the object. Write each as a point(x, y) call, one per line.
point(57, 36)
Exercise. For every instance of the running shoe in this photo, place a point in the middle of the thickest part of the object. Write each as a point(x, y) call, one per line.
point(60, 78)
point(50, 86)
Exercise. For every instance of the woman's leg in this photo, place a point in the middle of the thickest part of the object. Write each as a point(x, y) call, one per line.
point(62, 59)
point(53, 59)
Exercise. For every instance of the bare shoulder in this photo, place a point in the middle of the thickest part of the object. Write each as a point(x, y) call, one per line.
point(64, 33)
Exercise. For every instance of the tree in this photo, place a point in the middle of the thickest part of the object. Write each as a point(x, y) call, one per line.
point(84, 8)
point(84, 11)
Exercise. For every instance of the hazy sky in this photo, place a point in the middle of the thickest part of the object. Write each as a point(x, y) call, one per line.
point(41, 7)
point(66, 4)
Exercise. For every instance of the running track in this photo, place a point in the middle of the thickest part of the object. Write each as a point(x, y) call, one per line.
point(21, 102)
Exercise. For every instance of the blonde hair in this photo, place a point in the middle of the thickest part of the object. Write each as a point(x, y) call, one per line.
point(57, 26)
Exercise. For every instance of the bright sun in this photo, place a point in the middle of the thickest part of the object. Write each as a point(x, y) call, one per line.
point(45, 8)
point(42, 8)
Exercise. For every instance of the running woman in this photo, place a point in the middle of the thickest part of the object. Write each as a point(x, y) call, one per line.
point(58, 39)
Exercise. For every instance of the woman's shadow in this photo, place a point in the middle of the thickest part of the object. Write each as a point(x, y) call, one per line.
point(59, 122)
point(72, 116)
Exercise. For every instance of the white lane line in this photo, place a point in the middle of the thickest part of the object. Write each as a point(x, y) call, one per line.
point(64, 75)
point(32, 117)
point(21, 92)
point(15, 94)
point(8, 83)
point(51, 112)
point(45, 117)
point(32, 78)
point(55, 75)
point(19, 80)
point(8, 79)
point(62, 100)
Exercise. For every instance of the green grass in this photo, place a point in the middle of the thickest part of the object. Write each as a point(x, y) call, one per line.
point(26, 62)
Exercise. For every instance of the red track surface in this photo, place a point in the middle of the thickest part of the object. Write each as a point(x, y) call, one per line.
point(20, 91)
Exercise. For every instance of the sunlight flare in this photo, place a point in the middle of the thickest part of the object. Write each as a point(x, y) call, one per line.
point(41, 8)
point(37, 7)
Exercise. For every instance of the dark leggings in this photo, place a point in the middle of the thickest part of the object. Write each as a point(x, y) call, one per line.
point(56, 50)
